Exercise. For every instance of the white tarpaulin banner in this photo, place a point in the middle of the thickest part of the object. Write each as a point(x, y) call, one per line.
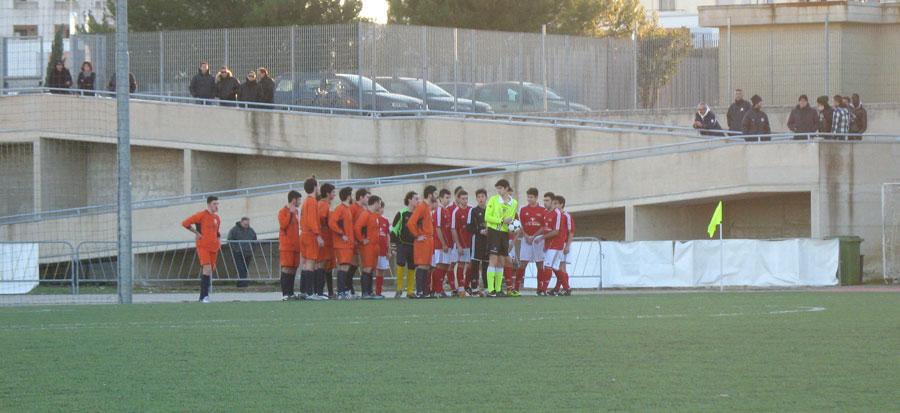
point(756, 263)
point(582, 265)
point(639, 264)
point(18, 268)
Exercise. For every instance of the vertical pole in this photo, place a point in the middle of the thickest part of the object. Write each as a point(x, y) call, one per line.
point(3, 63)
point(884, 236)
point(544, 63)
point(425, 66)
point(294, 86)
point(634, 62)
point(456, 72)
point(728, 36)
point(359, 64)
point(722, 255)
point(226, 48)
point(606, 83)
point(521, 74)
point(124, 265)
point(472, 64)
point(162, 89)
point(827, 59)
point(771, 66)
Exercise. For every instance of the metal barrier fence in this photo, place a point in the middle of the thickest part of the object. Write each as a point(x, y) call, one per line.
point(583, 264)
point(26, 265)
point(513, 72)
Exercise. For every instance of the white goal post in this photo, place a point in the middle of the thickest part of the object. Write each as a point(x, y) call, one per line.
point(890, 225)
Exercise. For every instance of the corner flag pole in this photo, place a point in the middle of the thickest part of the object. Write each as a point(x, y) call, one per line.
point(721, 260)
point(716, 221)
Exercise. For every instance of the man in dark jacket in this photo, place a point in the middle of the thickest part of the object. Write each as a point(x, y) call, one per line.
point(756, 122)
point(203, 84)
point(861, 122)
point(227, 87)
point(132, 83)
point(242, 247)
point(249, 91)
point(803, 119)
point(403, 242)
point(825, 115)
point(737, 111)
point(60, 78)
point(705, 120)
point(266, 86)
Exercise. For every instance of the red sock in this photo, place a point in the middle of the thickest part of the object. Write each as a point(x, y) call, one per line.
point(508, 277)
point(474, 283)
point(379, 282)
point(564, 279)
point(460, 275)
point(558, 279)
point(437, 281)
point(520, 278)
point(545, 283)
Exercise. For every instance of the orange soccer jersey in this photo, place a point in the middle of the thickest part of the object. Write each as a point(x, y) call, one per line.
point(208, 245)
point(340, 222)
point(420, 224)
point(309, 228)
point(366, 228)
point(288, 238)
point(327, 251)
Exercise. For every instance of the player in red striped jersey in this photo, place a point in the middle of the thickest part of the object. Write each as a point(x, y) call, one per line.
point(543, 276)
point(443, 243)
point(531, 247)
point(562, 277)
point(462, 240)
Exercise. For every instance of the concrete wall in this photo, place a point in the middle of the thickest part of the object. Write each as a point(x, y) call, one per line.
point(266, 170)
point(604, 225)
point(63, 174)
point(763, 216)
point(17, 172)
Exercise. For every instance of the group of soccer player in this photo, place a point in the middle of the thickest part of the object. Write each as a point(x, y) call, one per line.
point(437, 240)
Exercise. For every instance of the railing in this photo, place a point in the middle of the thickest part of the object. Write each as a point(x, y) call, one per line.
point(495, 169)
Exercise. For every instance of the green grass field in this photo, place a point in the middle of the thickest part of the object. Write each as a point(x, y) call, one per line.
point(762, 351)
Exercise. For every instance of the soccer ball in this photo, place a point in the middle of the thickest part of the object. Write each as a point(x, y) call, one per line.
point(515, 226)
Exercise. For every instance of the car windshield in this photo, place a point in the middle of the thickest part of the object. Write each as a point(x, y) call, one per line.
point(433, 90)
point(539, 91)
point(366, 83)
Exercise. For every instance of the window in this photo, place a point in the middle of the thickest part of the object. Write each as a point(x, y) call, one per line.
point(511, 95)
point(25, 4)
point(668, 5)
point(25, 30)
point(487, 94)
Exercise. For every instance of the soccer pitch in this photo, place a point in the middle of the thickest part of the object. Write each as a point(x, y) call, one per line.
point(762, 351)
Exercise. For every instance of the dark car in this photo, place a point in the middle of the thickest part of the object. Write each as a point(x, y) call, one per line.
point(339, 90)
point(506, 97)
point(437, 99)
point(459, 89)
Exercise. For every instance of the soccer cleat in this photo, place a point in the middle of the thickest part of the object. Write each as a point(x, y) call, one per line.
point(205, 300)
point(567, 292)
point(492, 295)
point(462, 294)
point(514, 293)
point(378, 297)
point(285, 297)
point(323, 297)
point(553, 293)
point(501, 294)
point(442, 295)
point(399, 294)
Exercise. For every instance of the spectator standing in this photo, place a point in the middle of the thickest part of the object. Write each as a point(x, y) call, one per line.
point(756, 122)
point(242, 249)
point(826, 112)
point(203, 84)
point(86, 79)
point(840, 119)
point(249, 91)
point(266, 87)
point(60, 78)
point(861, 122)
point(705, 120)
point(132, 83)
point(737, 111)
point(227, 87)
point(803, 120)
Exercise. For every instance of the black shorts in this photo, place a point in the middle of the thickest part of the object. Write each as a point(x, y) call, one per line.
point(479, 248)
point(405, 256)
point(498, 243)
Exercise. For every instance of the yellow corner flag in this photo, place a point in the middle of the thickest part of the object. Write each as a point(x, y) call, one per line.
point(715, 221)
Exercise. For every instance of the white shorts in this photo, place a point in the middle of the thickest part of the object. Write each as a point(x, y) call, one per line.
point(554, 259)
point(383, 263)
point(453, 255)
point(464, 255)
point(533, 252)
point(440, 257)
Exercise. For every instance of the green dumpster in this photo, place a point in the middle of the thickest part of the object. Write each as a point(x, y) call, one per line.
point(849, 260)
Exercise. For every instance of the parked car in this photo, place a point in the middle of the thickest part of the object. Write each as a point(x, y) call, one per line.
point(339, 90)
point(459, 89)
point(437, 99)
point(506, 97)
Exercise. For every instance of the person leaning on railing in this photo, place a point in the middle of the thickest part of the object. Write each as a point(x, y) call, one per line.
point(242, 248)
point(804, 120)
point(705, 120)
point(59, 78)
point(86, 79)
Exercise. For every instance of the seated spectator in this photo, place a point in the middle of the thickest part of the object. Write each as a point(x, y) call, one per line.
point(227, 87)
point(803, 119)
point(203, 84)
point(861, 122)
point(86, 79)
point(756, 122)
point(705, 120)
